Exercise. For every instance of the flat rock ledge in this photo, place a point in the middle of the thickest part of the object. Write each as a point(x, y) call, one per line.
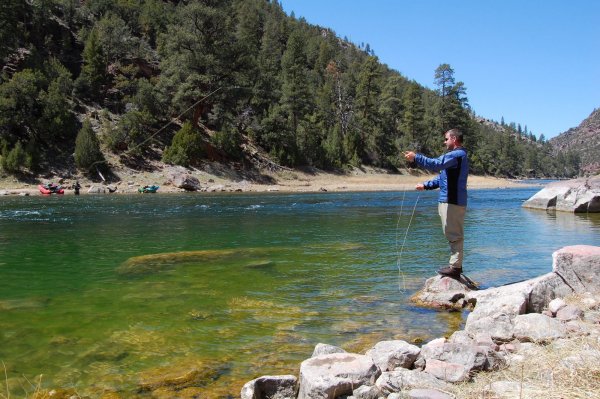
point(502, 322)
point(576, 195)
point(441, 292)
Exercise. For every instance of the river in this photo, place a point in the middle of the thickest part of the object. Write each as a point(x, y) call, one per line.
point(99, 293)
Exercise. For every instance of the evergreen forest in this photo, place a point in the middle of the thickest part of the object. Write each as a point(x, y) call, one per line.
point(88, 83)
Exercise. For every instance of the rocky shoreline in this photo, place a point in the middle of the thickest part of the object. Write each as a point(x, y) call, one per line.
point(503, 329)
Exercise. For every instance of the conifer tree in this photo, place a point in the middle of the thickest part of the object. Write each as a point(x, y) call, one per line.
point(453, 104)
point(296, 96)
point(93, 75)
point(412, 117)
point(366, 103)
point(87, 148)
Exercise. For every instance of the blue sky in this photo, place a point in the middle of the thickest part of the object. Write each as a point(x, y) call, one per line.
point(533, 62)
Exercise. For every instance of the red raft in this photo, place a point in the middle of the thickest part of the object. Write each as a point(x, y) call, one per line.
point(51, 188)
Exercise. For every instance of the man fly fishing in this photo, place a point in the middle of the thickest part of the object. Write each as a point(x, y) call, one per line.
point(453, 168)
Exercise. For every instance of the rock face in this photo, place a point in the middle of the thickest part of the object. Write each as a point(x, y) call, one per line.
point(579, 266)
point(583, 140)
point(577, 195)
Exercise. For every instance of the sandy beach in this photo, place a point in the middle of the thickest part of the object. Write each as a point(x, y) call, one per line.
point(363, 179)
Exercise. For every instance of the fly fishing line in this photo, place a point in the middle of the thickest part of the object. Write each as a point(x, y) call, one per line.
point(401, 276)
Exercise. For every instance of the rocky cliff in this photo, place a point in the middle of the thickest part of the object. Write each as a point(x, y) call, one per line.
point(585, 140)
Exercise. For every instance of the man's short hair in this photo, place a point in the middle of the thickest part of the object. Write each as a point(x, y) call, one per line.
point(457, 134)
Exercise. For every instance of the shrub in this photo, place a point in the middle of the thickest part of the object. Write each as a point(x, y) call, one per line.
point(13, 160)
point(229, 140)
point(186, 147)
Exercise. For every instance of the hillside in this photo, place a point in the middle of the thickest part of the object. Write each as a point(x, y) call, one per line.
point(585, 140)
point(110, 84)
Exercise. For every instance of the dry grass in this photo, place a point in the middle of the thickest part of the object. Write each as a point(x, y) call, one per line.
point(566, 369)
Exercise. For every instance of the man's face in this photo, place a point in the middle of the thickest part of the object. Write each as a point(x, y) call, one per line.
point(449, 141)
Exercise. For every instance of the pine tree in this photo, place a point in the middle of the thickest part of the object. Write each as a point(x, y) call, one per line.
point(267, 89)
point(87, 148)
point(453, 103)
point(412, 117)
point(93, 75)
point(366, 105)
point(296, 94)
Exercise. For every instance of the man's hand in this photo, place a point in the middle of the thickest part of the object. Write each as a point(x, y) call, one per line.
point(409, 156)
point(420, 187)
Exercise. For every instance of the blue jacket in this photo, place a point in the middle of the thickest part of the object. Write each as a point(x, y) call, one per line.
point(452, 180)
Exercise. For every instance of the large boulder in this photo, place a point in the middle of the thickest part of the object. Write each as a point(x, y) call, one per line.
point(402, 379)
point(544, 289)
point(579, 266)
point(447, 371)
point(577, 195)
point(336, 374)
point(186, 182)
point(455, 362)
point(535, 327)
point(494, 310)
point(388, 355)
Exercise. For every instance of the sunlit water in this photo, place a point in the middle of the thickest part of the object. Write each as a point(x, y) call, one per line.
point(250, 282)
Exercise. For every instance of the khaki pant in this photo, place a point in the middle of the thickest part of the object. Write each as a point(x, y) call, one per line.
point(453, 222)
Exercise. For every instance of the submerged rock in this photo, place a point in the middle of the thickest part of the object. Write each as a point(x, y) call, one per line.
point(144, 264)
point(180, 376)
point(577, 195)
point(24, 303)
point(59, 393)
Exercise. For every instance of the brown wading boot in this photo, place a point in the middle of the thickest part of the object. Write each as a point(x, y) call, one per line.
point(450, 272)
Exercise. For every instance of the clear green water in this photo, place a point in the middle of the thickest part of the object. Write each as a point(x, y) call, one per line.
point(250, 285)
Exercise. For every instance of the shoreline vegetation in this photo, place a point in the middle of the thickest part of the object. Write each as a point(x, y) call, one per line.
point(291, 181)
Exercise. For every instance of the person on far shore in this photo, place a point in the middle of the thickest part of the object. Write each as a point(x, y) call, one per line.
point(453, 168)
